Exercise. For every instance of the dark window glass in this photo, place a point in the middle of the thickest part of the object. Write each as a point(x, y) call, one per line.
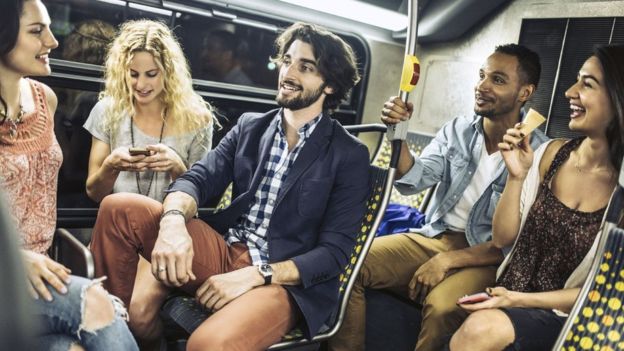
point(561, 60)
point(84, 28)
point(583, 34)
point(545, 37)
point(76, 99)
point(221, 51)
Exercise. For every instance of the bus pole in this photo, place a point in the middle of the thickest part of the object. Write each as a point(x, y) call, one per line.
point(409, 77)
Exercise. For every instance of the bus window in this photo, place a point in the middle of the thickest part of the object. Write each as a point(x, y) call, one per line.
point(225, 52)
point(75, 21)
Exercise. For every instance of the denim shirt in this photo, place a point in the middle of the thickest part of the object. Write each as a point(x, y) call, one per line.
point(450, 160)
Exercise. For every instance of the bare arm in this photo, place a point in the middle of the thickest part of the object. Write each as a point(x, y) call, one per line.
point(562, 300)
point(180, 201)
point(507, 216)
point(406, 160)
point(285, 273)
point(479, 255)
point(102, 177)
point(518, 156)
point(172, 257)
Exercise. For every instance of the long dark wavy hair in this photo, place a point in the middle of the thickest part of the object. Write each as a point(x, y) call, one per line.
point(10, 19)
point(335, 58)
point(611, 58)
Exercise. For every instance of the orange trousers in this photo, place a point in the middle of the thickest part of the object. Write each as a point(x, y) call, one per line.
point(127, 226)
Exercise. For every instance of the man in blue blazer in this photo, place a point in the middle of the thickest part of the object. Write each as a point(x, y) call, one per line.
point(271, 259)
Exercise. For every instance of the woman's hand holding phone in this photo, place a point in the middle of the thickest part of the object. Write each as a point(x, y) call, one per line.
point(474, 298)
point(121, 159)
point(492, 298)
point(164, 159)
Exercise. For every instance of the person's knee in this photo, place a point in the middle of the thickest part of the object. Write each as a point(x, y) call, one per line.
point(76, 347)
point(438, 306)
point(366, 277)
point(218, 341)
point(144, 321)
point(472, 332)
point(117, 201)
point(99, 310)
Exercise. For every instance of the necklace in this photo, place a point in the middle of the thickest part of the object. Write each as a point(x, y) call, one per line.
point(13, 122)
point(579, 169)
point(136, 174)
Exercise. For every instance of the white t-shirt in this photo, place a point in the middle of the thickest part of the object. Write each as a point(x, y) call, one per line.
point(457, 217)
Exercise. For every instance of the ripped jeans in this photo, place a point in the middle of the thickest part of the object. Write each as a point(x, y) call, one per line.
point(60, 322)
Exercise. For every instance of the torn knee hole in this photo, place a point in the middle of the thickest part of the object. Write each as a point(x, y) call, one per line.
point(98, 308)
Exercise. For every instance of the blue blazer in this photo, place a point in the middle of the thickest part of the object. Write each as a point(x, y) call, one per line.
point(318, 211)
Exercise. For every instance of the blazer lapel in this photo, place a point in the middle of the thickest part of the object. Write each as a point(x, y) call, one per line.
point(310, 152)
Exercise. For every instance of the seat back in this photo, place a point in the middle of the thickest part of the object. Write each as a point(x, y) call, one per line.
point(416, 143)
point(375, 207)
point(597, 319)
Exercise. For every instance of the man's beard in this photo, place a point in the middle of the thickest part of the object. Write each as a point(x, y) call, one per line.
point(494, 111)
point(303, 100)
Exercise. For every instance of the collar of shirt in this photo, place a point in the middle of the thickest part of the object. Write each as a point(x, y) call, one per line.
point(304, 132)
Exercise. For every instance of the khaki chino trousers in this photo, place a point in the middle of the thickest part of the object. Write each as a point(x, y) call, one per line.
point(391, 264)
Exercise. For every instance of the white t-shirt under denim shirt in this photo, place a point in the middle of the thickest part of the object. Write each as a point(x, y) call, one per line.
point(189, 146)
point(457, 217)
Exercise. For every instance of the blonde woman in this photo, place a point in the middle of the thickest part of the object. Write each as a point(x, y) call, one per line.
point(148, 104)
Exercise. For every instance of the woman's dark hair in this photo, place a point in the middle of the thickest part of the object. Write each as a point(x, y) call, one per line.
point(10, 19)
point(335, 58)
point(611, 58)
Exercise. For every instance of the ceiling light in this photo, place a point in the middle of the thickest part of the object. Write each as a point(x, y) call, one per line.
point(357, 11)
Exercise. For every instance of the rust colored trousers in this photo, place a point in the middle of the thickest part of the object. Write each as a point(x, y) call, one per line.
point(127, 226)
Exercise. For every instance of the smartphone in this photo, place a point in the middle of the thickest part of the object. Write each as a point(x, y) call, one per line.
point(135, 151)
point(474, 298)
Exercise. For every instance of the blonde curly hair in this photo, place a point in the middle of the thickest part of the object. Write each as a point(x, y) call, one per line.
point(187, 110)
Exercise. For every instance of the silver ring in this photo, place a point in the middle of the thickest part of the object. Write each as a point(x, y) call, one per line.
point(161, 269)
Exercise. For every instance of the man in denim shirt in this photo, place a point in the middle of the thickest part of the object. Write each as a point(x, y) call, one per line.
point(451, 255)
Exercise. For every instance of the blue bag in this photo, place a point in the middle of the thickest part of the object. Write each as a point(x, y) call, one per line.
point(399, 219)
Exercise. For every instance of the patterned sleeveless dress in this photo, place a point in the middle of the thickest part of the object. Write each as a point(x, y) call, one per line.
point(28, 177)
point(554, 240)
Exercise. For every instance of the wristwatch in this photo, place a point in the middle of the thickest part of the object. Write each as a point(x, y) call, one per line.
point(266, 272)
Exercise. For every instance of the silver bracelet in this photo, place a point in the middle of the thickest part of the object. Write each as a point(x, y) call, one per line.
point(172, 212)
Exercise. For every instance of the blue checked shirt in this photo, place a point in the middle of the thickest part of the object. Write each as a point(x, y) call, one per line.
point(252, 226)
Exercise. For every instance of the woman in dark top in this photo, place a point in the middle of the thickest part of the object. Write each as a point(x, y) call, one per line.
point(551, 211)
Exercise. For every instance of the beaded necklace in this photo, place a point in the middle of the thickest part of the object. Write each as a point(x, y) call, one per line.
point(13, 122)
point(136, 174)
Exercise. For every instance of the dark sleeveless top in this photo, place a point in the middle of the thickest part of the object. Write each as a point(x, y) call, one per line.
point(554, 240)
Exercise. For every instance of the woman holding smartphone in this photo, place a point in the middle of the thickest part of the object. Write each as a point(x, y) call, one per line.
point(148, 128)
point(551, 211)
point(149, 106)
point(69, 312)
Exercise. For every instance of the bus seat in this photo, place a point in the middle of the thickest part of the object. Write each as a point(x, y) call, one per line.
point(416, 142)
point(69, 251)
point(185, 312)
point(596, 320)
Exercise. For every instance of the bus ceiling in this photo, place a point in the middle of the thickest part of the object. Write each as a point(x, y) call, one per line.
point(447, 20)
